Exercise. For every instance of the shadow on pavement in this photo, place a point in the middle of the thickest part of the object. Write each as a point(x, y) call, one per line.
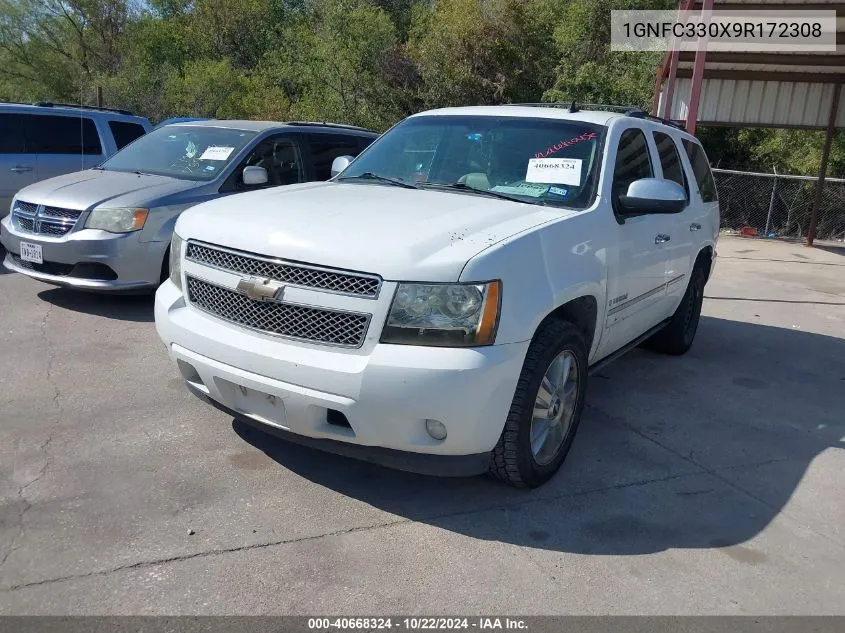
point(831, 248)
point(693, 452)
point(3, 269)
point(124, 307)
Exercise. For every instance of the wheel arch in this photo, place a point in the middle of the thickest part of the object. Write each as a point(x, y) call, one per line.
point(705, 258)
point(581, 311)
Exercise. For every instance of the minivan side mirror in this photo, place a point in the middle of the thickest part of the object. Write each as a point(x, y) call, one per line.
point(653, 195)
point(255, 175)
point(340, 163)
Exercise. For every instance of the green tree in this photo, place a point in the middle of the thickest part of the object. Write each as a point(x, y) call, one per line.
point(53, 48)
point(588, 71)
point(333, 63)
point(471, 52)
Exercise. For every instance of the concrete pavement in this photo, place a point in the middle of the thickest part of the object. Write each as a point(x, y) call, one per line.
point(706, 484)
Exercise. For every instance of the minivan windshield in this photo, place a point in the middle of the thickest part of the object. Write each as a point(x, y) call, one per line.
point(189, 152)
point(535, 160)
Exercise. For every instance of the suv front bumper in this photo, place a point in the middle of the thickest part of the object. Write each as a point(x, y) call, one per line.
point(88, 259)
point(386, 394)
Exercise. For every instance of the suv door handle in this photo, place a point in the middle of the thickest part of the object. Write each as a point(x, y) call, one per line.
point(662, 238)
point(695, 226)
point(19, 169)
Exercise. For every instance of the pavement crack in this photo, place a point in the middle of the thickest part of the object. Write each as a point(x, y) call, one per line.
point(377, 526)
point(203, 554)
point(51, 358)
point(25, 504)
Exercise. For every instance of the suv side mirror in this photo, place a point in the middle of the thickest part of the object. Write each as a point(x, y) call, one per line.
point(340, 163)
point(653, 195)
point(255, 175)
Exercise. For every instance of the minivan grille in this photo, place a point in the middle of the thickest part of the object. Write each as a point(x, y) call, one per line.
point(33, 218)
point(26, 207)
point(304, 323)
point(56, 212)
point(295, 274)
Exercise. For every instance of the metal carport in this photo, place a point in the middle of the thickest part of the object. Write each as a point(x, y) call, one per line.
point(772, 89)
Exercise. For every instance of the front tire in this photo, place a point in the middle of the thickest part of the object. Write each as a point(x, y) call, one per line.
point(677, 337)
point(546, 407)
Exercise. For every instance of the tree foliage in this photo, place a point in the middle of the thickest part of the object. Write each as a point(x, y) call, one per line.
point(367, 62)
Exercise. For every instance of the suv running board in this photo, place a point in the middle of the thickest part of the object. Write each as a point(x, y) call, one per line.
point(604, 362)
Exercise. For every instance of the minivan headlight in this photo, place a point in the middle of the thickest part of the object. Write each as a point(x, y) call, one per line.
point(117, 220)
point(444, 315)
point(175, 261)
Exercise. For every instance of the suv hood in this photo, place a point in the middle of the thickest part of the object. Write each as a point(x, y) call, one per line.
point(94, 187)
point(400, 234)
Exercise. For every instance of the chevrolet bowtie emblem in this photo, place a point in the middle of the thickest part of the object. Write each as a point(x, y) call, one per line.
point(261, 289)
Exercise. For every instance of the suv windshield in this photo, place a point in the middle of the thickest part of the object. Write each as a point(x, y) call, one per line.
point(536, 160)
point(189, 152)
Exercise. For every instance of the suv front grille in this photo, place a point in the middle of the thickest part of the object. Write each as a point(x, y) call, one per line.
point(34, 218)
point(304, 323)
point(357, 284)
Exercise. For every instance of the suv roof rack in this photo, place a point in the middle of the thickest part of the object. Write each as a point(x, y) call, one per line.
point(635, 112)
point(50, 104)
point(639, 113)
point(575, 107)
point(326, 124)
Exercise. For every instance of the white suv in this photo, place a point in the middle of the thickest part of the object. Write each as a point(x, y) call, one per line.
point(439, 305)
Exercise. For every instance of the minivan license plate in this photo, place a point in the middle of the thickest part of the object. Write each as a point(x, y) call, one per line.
point(31, 253)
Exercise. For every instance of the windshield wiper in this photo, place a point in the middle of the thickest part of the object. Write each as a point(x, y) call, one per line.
point(368, 175)
point(459, 186)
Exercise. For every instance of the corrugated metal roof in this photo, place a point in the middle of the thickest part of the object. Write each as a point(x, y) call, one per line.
point(753, 102)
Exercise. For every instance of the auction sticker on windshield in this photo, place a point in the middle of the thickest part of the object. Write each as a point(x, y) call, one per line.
point(522, 189)
point(214, 152)
point(31, 253)
point(559, 171)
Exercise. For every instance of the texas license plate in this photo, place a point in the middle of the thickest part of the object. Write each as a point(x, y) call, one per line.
point(31, 253)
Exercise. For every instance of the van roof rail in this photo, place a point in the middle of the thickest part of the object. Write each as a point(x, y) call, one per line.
point(345, 126)
point(575, 107)
point(50, 104)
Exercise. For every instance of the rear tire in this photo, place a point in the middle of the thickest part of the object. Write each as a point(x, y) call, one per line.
point(557, 357)
point(677, 337)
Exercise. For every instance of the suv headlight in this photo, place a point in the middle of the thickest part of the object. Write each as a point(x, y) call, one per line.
point(175, 261)
point(118, 220)
point(444, 315)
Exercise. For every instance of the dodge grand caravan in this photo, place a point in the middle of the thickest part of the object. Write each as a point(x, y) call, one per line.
point(108, 228)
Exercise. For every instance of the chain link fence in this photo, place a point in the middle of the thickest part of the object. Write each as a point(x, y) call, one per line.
point(774, 205)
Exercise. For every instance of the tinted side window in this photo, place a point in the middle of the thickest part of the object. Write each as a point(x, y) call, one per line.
point(632, 162)
point(701, 169)
point(48, 134)
point(670, 160)
point(124, 133)
point(11, 134)
point(326, 147)
point(279, 155)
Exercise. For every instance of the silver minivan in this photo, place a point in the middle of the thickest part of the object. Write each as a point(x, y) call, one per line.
point(44, 140)
point(108, 228)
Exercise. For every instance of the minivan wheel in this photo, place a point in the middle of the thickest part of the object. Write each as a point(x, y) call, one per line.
point(546, 407)
point(677, 337)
